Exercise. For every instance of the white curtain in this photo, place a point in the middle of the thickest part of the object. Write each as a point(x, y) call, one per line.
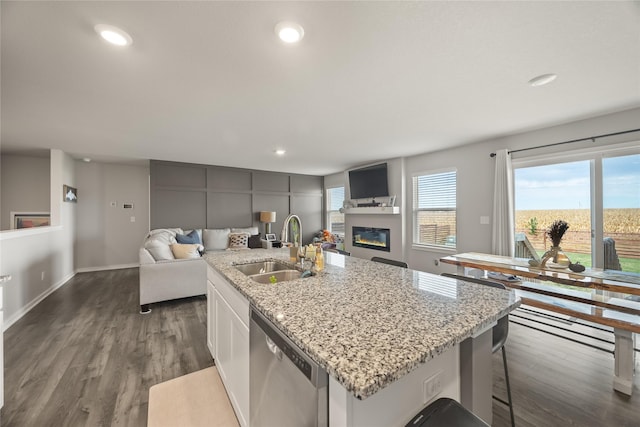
point(503, 241)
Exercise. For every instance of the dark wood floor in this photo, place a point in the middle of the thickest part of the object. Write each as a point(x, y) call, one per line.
point(557, 382)
point(85, 357)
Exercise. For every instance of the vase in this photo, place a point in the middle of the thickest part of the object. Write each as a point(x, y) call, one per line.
point(556, 256)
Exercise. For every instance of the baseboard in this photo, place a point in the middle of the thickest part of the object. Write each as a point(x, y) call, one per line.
point(24, 310)
point(106, 267)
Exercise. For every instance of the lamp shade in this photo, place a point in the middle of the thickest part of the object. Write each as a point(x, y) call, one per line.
point(266, 216)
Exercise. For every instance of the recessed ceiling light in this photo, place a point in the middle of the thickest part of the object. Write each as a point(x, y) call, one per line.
point(542, 79)
point(280, 152)
point(289, 32)
point(86, 159)
point(113, 35)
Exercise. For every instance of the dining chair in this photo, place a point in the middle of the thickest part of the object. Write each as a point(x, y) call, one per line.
point(500, 332)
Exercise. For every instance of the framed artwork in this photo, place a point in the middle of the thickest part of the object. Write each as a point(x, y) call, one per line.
point(270, 237)
point(69, 194)
point(30, 219)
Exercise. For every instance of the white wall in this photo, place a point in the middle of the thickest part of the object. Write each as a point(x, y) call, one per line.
point(25, 186)
point(40, 260)
point(475, 174)
point(395, 223)
point(476, 169)
point(106, 236)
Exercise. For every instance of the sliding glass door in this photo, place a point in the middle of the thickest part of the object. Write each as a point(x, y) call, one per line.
point(597, 194)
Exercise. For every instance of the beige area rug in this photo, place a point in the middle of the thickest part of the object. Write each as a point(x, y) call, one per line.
point(193, 400)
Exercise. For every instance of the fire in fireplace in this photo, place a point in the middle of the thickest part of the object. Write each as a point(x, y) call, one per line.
point(372, 238)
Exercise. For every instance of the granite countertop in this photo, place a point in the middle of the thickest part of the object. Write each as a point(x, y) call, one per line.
point(366, 323)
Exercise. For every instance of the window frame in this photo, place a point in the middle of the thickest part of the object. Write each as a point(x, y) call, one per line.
point(415, 244)
point(328, 209)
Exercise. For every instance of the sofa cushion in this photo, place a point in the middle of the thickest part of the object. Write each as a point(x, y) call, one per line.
point(252, 231)
point(185, 251)
point(159, 248)
point(190, 238)
point(255, 242)
point(239, 241)
point(215, 239)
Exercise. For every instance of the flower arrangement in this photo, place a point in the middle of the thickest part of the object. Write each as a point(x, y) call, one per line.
point(556, 231)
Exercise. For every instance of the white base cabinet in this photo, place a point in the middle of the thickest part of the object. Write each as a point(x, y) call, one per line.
point(211, 315)
point(228, 340)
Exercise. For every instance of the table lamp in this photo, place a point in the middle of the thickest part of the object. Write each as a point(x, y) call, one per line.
point(267, 218)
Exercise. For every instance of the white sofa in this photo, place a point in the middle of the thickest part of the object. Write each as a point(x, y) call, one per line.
point(171, 270)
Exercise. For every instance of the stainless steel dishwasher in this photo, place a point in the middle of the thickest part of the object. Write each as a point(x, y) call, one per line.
point(287, 388)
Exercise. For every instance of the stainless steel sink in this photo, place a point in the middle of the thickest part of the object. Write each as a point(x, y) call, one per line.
point(277, 276)
point(262, 267)
point(270, 271)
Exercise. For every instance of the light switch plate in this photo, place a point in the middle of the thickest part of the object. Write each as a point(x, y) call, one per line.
point(484, 220)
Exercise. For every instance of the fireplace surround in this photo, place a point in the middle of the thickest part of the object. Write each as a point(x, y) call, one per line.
point(372, 238)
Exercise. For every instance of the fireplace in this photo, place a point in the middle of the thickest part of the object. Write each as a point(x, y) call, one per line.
point(372, 238)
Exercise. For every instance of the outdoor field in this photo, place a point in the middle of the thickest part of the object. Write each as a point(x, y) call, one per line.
point(622, 225)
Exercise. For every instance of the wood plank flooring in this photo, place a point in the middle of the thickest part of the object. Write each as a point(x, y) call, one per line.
point(557, 382)
point(86, 357)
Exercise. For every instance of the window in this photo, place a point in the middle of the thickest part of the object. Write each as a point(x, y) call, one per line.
point(335, 219)
point(434, 209)
point(597, 194)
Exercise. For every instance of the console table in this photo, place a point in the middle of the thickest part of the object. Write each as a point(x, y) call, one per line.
point(607, 297)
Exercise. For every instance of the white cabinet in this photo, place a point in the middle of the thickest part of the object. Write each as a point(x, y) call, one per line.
point(229, 323)
point(211, 317)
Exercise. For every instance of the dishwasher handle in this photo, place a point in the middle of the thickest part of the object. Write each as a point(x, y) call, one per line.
point(273, 348)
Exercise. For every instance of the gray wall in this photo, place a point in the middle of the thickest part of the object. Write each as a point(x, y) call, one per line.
point(40, 260)
point(25, 186)
point(199, 196)
point(106, 236)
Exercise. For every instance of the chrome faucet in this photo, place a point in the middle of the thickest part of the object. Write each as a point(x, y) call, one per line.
point(284, 236)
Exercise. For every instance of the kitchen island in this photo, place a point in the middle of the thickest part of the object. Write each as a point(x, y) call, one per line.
point(379, 331)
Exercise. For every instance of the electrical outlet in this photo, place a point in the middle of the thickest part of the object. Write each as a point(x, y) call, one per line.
point(113, 204)
point(432, 386)
point(133, 219)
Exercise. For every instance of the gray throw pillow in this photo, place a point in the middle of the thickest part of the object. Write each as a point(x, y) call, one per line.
point(215, 239)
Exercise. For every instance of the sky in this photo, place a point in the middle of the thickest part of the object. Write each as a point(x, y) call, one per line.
point(566, 185)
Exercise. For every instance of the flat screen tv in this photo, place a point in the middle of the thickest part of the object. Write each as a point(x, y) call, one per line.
point(369, 182)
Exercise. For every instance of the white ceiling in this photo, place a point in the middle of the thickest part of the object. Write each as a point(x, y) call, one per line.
point(209, 82)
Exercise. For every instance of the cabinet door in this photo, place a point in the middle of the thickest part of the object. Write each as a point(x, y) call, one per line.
point(223, 338)
point(211, 318)
point(232, 336)
point(240, 354)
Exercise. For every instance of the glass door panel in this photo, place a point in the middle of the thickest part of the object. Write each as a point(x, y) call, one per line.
point(621, 212)
point(547, 193)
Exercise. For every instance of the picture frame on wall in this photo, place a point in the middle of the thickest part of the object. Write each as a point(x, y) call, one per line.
point(69, 194)
point(20, 220)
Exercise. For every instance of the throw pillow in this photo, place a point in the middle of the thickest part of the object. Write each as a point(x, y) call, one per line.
point(215, 239)
point(185, 251)
point(192, 238)
point(159, 248)
point(255, 242)
point(238, 241)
